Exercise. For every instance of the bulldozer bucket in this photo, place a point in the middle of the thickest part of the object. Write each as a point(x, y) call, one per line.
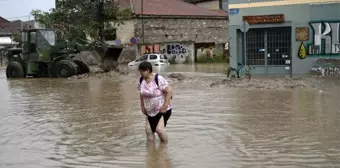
point(109, 57)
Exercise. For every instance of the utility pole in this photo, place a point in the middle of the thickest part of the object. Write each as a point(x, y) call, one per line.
point(245, 28)
point(57, 4)
point(100, 9)
point(142, 11)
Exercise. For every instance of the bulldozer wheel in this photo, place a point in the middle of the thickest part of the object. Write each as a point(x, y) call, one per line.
point(15, 70)
point(65, 68)
point(82, 67)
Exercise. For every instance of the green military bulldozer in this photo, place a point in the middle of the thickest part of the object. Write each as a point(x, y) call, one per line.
point(40, 56)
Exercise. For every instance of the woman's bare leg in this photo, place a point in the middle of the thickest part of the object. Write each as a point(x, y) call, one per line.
point(160, 130)
point(149, 134)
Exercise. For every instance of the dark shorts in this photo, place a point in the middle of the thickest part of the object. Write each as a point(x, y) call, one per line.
point(155, 119)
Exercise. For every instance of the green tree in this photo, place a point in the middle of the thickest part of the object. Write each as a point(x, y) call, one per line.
point(16, 37)
point(74, 20)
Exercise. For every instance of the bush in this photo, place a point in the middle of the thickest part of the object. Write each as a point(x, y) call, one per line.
point(187, 60)
point(172, 60)
point(217, 58)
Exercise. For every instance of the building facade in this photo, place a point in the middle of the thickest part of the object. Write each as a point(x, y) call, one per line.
point(285, 37)
point(180, 30)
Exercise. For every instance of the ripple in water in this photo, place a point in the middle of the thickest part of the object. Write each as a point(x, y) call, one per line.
point(97, 123)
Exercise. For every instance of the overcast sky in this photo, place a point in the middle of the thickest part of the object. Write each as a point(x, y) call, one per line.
point(20, 9)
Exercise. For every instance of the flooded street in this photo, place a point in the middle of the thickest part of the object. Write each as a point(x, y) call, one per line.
point(97, 122)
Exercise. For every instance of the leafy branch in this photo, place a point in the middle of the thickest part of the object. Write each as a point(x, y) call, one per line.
point(79, 20)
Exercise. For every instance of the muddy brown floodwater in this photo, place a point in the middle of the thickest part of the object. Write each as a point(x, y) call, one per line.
point(96, 122)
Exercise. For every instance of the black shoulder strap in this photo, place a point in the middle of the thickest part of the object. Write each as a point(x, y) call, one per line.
point(140, 80)
point(156, 79)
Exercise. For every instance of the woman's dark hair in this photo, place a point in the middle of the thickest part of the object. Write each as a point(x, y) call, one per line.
point(145, 66)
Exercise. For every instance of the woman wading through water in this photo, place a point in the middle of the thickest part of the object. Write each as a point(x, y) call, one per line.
point(155, 96)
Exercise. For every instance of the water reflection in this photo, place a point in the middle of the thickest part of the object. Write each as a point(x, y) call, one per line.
point(98, 123)
point(206, 68)
point(158, 155)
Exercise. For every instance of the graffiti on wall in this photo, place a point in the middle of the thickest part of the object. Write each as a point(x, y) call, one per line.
point(302, 54)
point(326, 38)
point(174, 50)
point(149, 48)
point(326, 67)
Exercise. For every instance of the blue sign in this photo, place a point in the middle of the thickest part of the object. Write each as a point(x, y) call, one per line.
point(234, 11)
point(133, 40)
point(117, 41)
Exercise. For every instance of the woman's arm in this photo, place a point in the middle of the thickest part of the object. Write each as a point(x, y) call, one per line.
point(167, 97)
point(142, 104)
point(167, 90)
point(141, 99)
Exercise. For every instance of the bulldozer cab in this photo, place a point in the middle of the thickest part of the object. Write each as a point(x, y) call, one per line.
point(36, 44)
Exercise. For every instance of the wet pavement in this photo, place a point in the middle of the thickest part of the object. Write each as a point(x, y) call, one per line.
point(96, 122)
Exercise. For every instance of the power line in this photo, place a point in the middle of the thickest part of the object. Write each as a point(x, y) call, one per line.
point(24, 16)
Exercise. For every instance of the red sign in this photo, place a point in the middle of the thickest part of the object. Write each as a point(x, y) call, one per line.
point(263, 19)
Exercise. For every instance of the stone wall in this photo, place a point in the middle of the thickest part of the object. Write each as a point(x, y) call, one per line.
point(163, 30)
point(126, 31)
point(128, 54)
point(175, 37)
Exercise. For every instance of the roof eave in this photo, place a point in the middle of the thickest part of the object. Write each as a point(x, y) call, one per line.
point(150, 16)
point(197, 1)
